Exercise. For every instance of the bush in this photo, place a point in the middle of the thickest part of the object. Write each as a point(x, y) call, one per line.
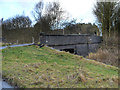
point(108, 52)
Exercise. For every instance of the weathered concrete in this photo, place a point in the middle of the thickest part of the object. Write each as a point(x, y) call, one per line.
point(82, 44)
point(82, 49)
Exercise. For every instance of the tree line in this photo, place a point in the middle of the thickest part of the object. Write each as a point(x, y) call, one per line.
point(17, 22)
point(51, 16)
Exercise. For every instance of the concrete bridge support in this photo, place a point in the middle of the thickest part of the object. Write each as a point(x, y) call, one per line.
point(79, 44)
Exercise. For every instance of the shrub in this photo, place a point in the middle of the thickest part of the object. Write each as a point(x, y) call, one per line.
point(108, 52)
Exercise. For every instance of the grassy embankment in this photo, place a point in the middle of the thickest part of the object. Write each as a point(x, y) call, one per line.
point(34, 67)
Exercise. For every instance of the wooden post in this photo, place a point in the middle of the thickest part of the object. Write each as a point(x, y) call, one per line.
point(32, 39)
point(17, 42)
point(63, 31)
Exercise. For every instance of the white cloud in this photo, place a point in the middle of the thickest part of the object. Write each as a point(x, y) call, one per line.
point(19, 0)
point(80, 9)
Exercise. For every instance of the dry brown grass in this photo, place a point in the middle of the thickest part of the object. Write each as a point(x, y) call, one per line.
point(108, 52)
point(105, 56)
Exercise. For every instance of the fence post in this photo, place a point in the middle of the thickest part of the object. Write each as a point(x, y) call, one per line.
point(32, 39)
point(17, 42)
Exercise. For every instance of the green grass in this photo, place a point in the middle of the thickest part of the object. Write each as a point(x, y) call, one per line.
point(34, 67)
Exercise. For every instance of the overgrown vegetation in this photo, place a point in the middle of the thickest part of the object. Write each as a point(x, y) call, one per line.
point(108, 51)
point(34, 67)
point(108, 15)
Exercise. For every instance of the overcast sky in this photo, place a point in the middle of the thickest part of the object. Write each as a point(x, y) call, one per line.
point(79, 9)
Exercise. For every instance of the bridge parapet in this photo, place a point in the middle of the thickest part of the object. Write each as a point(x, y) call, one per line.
point(82, 44)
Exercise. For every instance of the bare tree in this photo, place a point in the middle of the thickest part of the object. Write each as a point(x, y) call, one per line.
point(17, 22)
point(38, 11)
point(104, 12)
point(116, 17)
point(50, 19)
point(55, 14)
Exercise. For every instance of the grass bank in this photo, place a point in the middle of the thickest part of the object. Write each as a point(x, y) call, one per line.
point(34, 67)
